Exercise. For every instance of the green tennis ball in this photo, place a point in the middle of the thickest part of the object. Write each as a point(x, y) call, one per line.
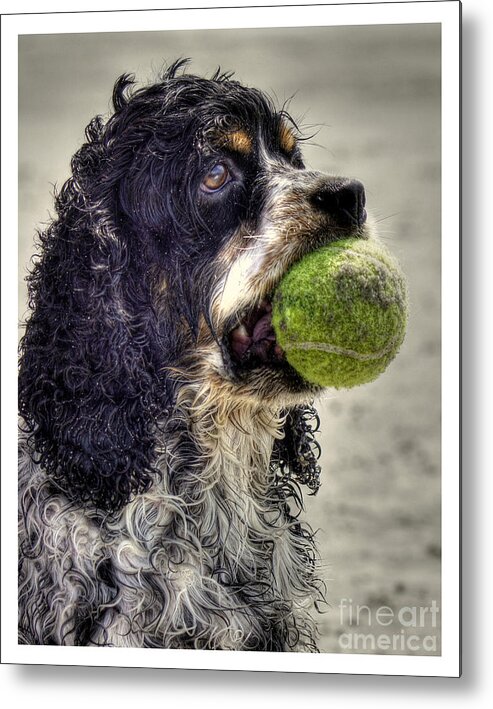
point(340, 313)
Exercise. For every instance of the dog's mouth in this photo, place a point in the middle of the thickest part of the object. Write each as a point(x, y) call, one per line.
point(252, 341)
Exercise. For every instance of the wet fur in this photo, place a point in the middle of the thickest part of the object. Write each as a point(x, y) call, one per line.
point(160, 490)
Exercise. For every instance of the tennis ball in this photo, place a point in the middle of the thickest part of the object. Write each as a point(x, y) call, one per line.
point(340, 313)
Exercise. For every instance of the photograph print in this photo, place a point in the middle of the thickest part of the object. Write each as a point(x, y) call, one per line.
point(230, 343)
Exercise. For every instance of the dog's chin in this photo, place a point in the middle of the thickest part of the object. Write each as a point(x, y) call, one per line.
point(256, 363)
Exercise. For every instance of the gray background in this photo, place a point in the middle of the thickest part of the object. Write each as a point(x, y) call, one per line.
point(373, 95)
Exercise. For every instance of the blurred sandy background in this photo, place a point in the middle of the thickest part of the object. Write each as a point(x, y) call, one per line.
point(374, 95)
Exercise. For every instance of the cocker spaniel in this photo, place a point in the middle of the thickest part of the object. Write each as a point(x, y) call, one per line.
point(164, 438)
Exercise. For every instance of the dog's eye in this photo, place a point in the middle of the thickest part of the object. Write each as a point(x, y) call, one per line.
point(216, 178)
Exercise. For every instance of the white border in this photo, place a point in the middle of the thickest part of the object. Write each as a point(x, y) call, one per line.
point(446, 13)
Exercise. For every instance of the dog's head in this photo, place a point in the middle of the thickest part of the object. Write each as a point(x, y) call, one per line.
point(183, 212)
point(215, 181)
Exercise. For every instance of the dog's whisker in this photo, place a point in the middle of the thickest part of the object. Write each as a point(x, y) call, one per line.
point(389, 216)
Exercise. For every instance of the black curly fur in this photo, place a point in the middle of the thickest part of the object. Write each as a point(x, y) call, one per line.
point(96, 396)
point(91, 390)
point(295, 456)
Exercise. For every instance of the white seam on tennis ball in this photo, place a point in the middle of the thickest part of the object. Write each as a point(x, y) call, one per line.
point(334, 349)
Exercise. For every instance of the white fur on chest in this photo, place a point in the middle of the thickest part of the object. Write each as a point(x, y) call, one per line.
point(180, 563)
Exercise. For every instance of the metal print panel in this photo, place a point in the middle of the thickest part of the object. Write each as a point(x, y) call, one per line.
point(231, 381)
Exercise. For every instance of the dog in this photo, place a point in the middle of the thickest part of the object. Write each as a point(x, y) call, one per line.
point(165, 441)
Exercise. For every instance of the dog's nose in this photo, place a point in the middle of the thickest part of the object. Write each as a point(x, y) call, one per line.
point(343, 202)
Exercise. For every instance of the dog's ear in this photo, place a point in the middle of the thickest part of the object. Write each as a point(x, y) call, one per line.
point(295, 456)
point(89, 387)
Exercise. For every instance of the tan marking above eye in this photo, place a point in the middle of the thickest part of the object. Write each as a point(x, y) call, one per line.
point(287, 139)
point(238, 140)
